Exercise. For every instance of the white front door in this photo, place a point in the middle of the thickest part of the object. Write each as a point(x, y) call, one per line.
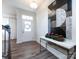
point(25, 29)
point(27, 22)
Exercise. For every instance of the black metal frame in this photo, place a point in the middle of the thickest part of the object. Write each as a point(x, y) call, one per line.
point(68, 54)
point(7, 28)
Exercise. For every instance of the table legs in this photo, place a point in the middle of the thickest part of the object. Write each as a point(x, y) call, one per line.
point(68, 54)
point(40, 44)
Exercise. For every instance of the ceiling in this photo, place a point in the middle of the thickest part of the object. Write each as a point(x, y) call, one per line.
point(23, 4)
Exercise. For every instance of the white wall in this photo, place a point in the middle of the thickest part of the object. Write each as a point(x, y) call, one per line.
point(42, 20)
point(9, 16)
point(7, 9)
point(74, 20)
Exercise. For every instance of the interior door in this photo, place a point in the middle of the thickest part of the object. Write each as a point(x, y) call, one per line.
point(27, 27)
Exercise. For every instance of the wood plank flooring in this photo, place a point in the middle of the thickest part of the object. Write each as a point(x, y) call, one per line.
point(29, 50)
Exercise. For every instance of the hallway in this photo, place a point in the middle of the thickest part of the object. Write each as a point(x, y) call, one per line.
point(29, 50)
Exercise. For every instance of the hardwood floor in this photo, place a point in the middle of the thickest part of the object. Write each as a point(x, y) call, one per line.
point(29, 50)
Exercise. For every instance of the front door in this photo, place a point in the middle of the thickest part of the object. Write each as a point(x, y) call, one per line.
point(27, 22)
point(25, 28)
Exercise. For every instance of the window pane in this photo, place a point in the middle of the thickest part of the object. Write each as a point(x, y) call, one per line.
point(23, 16)
point(27, 26)
point(5, 21)
point(27, 22)
point(27, 17)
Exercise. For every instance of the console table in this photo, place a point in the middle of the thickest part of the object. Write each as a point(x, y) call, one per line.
point(66, 44)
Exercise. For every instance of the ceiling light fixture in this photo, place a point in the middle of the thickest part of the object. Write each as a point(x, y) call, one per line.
point(33, 5)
